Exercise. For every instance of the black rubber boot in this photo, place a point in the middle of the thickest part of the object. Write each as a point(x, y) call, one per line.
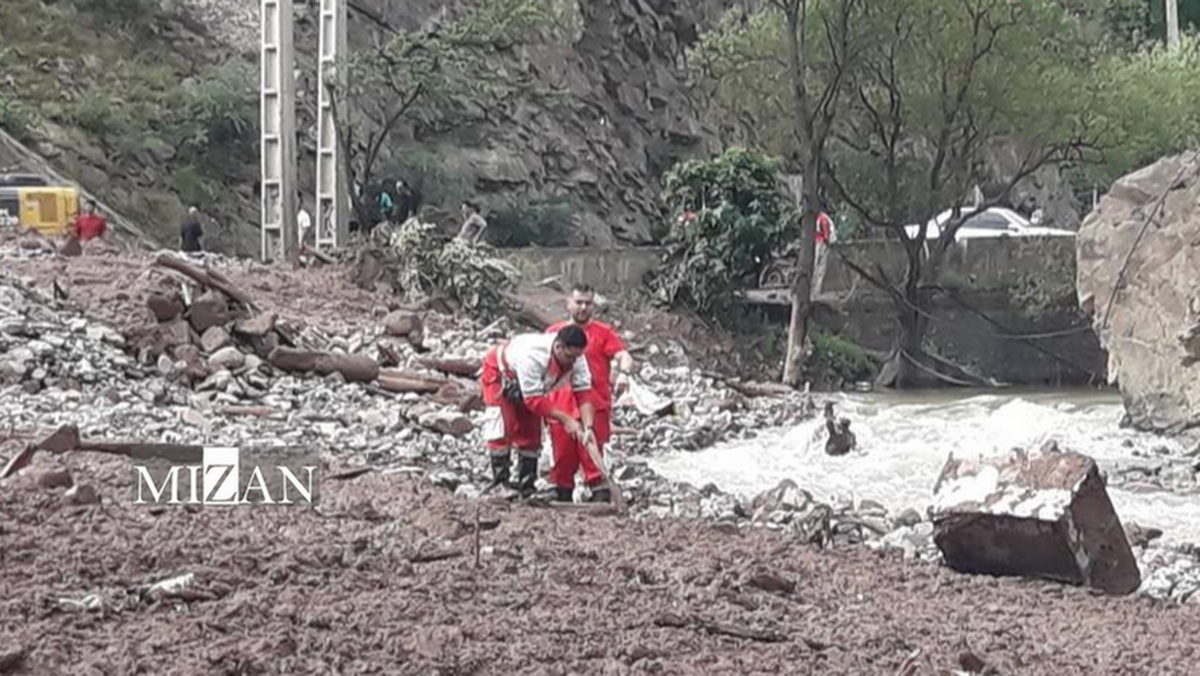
point(527, 476)
point(601, 495)
point(564, 494)
point(501, 469)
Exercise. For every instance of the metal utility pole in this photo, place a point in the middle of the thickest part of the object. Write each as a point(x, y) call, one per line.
point(333, 208)
point(1172, 9)
point(278, 132)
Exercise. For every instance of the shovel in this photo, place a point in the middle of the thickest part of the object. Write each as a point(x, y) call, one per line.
point(594, 453)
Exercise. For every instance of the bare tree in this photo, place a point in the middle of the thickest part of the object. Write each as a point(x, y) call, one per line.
point(816, 88)
point(952, 142)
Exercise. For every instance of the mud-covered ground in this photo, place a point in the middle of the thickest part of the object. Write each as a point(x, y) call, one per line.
point(345, 588)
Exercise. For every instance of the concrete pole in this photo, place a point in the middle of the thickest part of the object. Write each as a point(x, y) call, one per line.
point(278, 131)
point(1172, 9)
point(333, 201)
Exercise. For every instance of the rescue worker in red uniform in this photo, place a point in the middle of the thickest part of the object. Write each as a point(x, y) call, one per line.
point(604, 347)
point(89, 224)
point(518, 378)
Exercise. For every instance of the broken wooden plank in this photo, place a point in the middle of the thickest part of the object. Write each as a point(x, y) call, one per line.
point(430, 557)
point(350, 474)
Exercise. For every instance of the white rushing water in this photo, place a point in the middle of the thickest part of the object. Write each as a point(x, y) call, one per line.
point(904, 441)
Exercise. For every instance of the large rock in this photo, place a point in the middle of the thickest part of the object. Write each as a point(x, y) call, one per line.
point(165, 307)
point(215, 338)
point(210, 309)
point(1150, 331)
point(1044, 515)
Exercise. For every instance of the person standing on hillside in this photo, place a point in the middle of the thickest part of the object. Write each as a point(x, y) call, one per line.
point(604, 347)
point(190, 232)
point(474, 224)
point(518, 379)
point(89, 224)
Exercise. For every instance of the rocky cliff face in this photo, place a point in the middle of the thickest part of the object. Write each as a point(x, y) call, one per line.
point(596, 117)
point(1144, 240)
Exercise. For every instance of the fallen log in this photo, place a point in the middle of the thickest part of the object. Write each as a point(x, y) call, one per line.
point(393, 383)
point(255, 411)
point(467, 368)
point(177, 453)
point(532, 315)
point(354, 368)
point(405, 374)
point(207, 277)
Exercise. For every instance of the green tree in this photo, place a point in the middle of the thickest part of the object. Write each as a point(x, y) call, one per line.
point(916, 94)
point(727, 216)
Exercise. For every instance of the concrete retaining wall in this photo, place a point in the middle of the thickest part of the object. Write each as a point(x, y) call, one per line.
point(609, 270)
point(1021, 286)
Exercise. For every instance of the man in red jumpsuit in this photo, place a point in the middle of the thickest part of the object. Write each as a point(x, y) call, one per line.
point(90, 225)
point(518, 379)
point(604, 347)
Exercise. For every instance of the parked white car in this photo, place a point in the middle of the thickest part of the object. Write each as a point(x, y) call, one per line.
point(990, 223)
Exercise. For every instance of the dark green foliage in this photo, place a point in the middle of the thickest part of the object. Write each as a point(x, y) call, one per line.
point(727, 216)
point(539, 223)
point(841, 357)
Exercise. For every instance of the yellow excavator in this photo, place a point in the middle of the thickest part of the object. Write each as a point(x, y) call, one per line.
point(28, 201)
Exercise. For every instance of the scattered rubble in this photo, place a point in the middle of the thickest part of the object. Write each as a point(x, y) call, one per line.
point(419, 413)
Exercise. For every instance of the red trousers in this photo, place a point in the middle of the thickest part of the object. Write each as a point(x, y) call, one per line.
point(522, 427)
point(570, 454)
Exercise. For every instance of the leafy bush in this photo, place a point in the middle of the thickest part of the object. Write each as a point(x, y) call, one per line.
point(219, 111)
point(727, 216)
point(119, 11)
point(193, 188)
point(465, 271)
point(841, 357)
point(13, 118)
point(540, 223)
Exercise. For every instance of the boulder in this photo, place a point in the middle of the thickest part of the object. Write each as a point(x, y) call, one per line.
point(1142, 240)
point(1044, 515)
point(402, 323)
point(165, 307)
point(227, 358)
point(257, 326)
point(214, 338)
point(447, 423)
point(210, 309)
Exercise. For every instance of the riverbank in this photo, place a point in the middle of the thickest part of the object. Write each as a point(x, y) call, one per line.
point(382, 572)
point(358, 585)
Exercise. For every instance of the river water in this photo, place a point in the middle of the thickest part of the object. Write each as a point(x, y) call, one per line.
point(904, 440)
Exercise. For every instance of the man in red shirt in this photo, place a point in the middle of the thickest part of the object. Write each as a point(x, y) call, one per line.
point(90, 225)
point(603, 347)
point(525, 381)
